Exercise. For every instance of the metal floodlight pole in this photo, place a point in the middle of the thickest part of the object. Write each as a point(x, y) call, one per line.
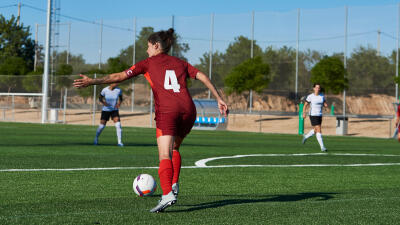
point(252, 35)
point(45, 80)
point(211, 50)
point(36, 47)
point(252, 55)
point(297, 53)
point(345, 59)
point(65, 104)
point(397, 52)
point(94, 103)
point(101, 42)
point(173, 27)
point(19, 13)
point(378, 44)
point(133, 63)
point(69, 42)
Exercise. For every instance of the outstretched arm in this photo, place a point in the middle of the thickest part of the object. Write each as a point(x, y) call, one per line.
point(112, 78)
point(223, 107)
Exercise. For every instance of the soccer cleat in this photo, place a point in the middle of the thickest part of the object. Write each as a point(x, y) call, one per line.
point(121, 145)
point(324, 149)
point(165, 201)
point(304, 140)
point(175, 189)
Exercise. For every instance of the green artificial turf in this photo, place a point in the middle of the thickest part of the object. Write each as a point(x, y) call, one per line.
point(282, 189)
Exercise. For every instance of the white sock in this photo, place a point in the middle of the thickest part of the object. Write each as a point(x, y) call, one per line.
point(320, 141)
point(99, 130)
point(310, 134)
point(118, 128)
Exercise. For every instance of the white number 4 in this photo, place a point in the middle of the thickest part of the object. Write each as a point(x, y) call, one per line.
point(171, 82)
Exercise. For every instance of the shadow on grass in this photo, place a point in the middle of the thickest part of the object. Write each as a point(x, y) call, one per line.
point(319, 196)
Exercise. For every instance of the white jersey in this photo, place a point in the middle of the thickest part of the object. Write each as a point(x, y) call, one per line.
point(111, 98)
point(316, 104)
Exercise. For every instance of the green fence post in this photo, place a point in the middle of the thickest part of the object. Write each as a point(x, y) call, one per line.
point(332, 109)
point(301, 119)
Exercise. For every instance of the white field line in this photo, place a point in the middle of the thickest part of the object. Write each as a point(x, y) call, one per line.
point(202, 163)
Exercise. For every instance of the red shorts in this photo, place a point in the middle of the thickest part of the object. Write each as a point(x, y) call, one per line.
point(175, 123)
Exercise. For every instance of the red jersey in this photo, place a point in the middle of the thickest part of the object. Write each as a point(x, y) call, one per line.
point(167, 77)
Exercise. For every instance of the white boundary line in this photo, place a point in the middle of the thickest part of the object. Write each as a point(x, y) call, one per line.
point(202, 163)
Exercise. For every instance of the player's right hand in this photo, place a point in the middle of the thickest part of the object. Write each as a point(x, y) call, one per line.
point(81, 83)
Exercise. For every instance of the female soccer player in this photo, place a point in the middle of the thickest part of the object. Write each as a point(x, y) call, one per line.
point(111, 98)
point(316, 101)
point(174, 109)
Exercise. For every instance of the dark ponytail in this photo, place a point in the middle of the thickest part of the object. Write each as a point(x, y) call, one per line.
point(165, 38)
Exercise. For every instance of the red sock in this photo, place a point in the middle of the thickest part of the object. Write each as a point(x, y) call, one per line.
point(165, 172)
point(176, 163)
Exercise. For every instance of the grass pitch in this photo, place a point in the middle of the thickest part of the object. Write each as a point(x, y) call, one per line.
point(356, 182)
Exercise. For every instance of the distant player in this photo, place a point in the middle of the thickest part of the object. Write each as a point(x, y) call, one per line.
point(111, 98)
point(174, 108)
point(398, 122)
point(316, 101)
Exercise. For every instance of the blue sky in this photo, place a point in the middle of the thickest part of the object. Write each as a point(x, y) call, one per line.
point(275, 23)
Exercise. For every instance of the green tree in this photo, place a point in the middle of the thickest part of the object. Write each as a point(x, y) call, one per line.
point(218, 72)
point(63, 76)
point(283, 67)
point(9, 69)
point(15, 41)
point(330, 73)
point(368, 72)
point(32, 82)
point(222, 63)
point(115, 65)
point(126, 55)
point(252, 74)
point(76, 61)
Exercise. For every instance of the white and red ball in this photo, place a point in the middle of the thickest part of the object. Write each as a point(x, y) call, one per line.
point(144, 185)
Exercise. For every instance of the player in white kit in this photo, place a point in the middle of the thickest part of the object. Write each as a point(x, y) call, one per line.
point(111, 98)
point(316, 101)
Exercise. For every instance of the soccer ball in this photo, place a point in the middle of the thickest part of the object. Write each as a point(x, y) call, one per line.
point(144, 185)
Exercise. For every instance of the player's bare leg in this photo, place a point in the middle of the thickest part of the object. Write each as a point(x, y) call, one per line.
point(118, 129)
point(318, 134)
point(165, 172)
point(100, 129)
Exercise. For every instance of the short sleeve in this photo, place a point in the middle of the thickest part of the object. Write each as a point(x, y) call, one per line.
point(137, 69)
point(192, 71)
point(103, 93)
point(308, 99)
point(120, 92)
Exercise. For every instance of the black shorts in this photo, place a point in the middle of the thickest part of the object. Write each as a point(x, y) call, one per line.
point(105, 115)
point(316, 120)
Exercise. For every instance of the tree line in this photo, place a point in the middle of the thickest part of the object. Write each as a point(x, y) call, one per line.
point(271, 68)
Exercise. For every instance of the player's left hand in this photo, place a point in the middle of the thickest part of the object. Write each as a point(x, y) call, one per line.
point(223, 108)
point(81, 83)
